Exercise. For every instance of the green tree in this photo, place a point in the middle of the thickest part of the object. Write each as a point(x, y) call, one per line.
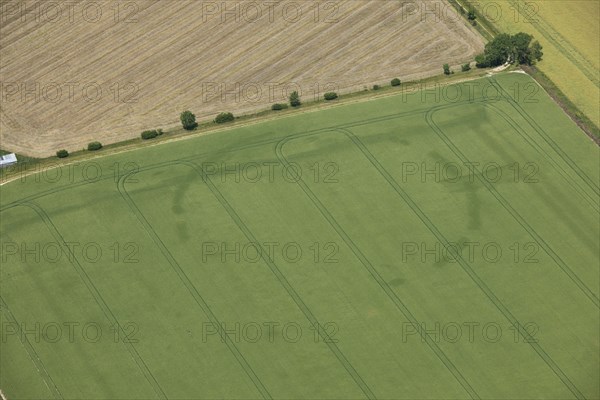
point(93, 146)
point(505, 48)
point(480, 61)
point(520, 43)
point(535, 52)
point(151, 134)
point(499, 50)
point(395, 82)
point(447, 69)
point(188, 120)
point(279, 106)
point(295, 99)
point(62, 153)
point(224, 117)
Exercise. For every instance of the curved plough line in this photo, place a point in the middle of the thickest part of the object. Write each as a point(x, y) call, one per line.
point(109, 177)
point(363, 122)
point(515, 214)
point(96, 295)
point(590, 199)
point(212, 153)
point(271, 141)
point(464, 265)
point(33, 355)
point(284, 282)
point(191, 288)
point(561, 153)
point(375, 274)
point(270, 263)
point(368, 121)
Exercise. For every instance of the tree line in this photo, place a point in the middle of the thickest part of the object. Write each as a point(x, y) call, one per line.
point(504, 48)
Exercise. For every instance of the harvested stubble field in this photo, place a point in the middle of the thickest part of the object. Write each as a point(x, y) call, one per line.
point(87, 71)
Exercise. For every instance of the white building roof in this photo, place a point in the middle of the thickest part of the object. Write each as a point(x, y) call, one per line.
point(8, 159)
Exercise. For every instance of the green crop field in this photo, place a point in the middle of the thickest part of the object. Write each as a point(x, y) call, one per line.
point(426, 245)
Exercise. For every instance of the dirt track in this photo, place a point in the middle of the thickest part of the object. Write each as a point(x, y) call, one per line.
point(71, 81)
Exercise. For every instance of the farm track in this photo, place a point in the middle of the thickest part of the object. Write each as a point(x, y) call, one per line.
point(149, 72)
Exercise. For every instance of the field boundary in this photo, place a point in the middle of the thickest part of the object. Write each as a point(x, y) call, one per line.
point(232, 149)
point(569, 108)
point(485, 29)
point(246, 120)
point(124, 147)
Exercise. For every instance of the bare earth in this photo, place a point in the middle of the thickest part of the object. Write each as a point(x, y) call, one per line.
point(75, 72)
